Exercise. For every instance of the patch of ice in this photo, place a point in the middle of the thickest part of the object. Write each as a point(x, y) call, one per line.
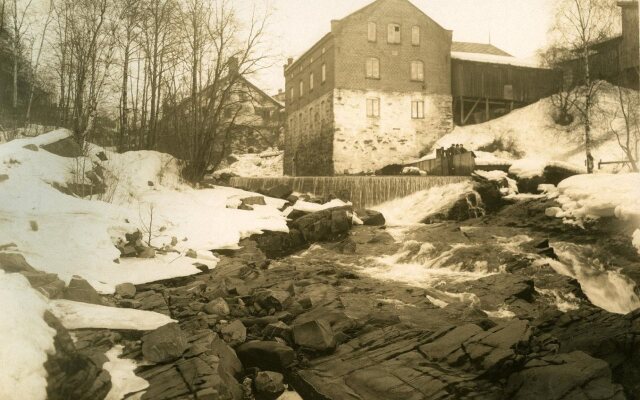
point(502, 313)
point(123, 379)
point(607, 289)
point(76, 315)
point(309, 207)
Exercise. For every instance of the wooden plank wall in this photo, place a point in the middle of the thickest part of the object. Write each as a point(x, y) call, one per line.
point(457, 165)
point(485, 80)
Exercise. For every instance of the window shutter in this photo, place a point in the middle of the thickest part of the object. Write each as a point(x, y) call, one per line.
point(391, 33)
point(376, 68)
point(369, 108)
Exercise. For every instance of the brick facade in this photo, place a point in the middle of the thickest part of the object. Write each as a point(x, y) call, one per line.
point(328, 129)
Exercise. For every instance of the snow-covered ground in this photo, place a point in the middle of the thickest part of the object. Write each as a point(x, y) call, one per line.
point(530, 133)
point(266, 164)
point(70, 236)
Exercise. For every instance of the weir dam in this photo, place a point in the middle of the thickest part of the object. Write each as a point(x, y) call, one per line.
point(362, 191)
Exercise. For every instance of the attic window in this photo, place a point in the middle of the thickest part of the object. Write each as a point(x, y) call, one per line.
point(393, 33)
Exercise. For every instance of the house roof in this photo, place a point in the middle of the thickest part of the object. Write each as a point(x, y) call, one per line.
point(358, 11)
point(478, 48)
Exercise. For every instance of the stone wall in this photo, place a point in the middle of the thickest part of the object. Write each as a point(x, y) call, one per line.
point(309, 139)
point(364, 145)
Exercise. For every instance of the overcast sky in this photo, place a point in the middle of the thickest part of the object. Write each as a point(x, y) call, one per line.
point(517, 26)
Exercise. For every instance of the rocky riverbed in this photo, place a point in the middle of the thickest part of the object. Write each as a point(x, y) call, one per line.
point(508, 305)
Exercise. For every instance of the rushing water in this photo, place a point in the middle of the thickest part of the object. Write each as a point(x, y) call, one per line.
point(362, 191)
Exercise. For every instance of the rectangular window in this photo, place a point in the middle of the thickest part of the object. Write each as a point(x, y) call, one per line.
point(373, 108)
point(311, 82)
point(417, 109)
point(324, 73)
point(372, 34)
point(373, 68)
point(301, 88)
point(393, 33)
point(292, 94)
point(415, 36)
point(417, 71)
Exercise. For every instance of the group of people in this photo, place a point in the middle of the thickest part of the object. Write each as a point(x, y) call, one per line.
point(451, 151)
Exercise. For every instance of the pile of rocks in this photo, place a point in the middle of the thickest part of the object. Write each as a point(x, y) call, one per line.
point(134, 246)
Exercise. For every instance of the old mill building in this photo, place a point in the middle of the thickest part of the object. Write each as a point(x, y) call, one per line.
point(386, 83)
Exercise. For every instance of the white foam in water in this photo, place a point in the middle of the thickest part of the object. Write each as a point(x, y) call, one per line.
point(419, 265)
point(609, 290)
point(565, 302)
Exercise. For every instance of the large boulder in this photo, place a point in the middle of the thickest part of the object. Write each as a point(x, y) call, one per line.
point(164, 344)
point(315, 335)
point(217, 307)
point(269, 385)
point(280, 244)
point(14, 262)
point(126, 290)
point(269, 356)
point(234, 333)
point(278, 192)
point(325, 225)
point(371, 217)
point(574, 375)
point(80, 290)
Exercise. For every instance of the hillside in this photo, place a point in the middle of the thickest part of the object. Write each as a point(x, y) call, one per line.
point(531, 133)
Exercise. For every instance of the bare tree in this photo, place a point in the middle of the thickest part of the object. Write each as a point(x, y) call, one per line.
point(36, 66)
point(628, 137)
point(129, 17)
point(157, 23)
point(88, 44)
point(207, 108)
point(579, 24)
point(18, 13)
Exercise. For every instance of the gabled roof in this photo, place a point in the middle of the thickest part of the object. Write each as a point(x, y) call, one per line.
point(478, 48)
point(264, 94)
point(379, 1)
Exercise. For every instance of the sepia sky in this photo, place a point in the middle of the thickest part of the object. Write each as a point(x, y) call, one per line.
point(517, 26)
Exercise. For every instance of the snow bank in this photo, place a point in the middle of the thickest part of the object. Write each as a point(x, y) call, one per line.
point(584, 197)
point(508, 186)
point(266, 164)
point(76, 315)
point(70, 236)
point(530, 132)
point(25, 340)
point(415, 208)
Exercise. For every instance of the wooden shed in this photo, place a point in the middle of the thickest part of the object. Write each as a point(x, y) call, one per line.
point(487, 87)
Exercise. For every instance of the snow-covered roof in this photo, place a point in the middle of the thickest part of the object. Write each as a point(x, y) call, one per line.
point(494, 59)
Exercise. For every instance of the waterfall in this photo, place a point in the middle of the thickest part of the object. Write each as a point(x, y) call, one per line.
point(362, 191)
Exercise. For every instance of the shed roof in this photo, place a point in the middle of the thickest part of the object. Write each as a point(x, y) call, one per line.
point(478, 48)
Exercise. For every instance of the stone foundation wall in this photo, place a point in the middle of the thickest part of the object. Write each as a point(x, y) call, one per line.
point(364, 145)
point(309, 139)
